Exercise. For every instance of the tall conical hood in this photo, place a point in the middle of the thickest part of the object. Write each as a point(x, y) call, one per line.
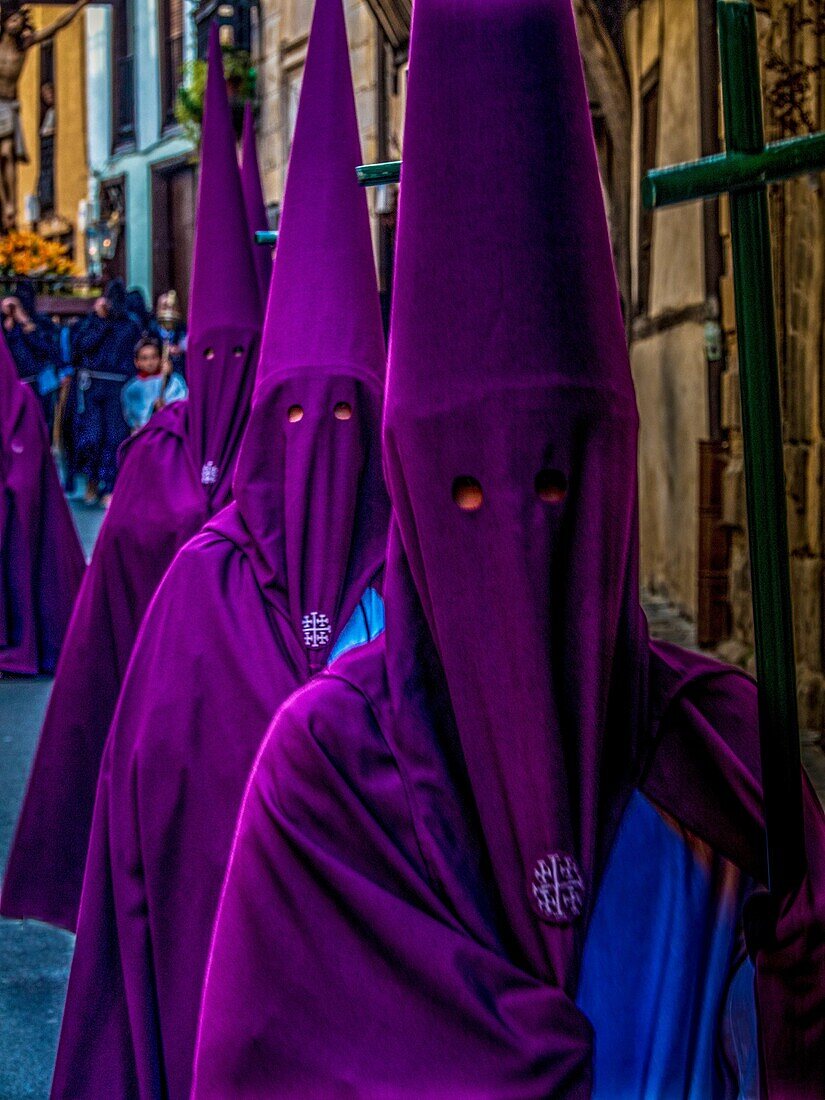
point(324, 267)
point(253, 197)
point(503, 214)
point(224, 302)
point(510, 450)
point(309, 483)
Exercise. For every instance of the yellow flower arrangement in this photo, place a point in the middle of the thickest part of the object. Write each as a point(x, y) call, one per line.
point(23, 252)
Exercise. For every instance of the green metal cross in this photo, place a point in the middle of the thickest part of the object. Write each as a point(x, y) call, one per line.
point(743, 172)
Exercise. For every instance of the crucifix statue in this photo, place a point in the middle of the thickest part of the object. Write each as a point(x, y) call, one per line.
point(17, 36)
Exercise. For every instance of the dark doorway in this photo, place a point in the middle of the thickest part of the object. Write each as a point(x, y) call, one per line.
point(173, 227)
point(112, 221)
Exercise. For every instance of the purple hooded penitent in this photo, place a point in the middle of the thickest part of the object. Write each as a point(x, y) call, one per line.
point(253, 197)
point(174, 474)
point(41, 560)
point(250, 608)
point(423, 836)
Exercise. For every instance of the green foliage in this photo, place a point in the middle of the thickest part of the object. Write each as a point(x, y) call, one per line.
point(241, 78)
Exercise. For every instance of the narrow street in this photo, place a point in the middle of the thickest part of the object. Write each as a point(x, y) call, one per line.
point(34, 958)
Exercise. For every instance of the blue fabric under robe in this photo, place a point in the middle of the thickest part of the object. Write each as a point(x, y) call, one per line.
point(672, 1005)
point(365, 623)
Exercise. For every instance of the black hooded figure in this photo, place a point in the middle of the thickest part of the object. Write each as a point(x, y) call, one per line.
point(103, 347)
point(32, 341)
point(138, 310)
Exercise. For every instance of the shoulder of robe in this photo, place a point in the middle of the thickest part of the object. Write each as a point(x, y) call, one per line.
point(190, 602)
point(684, 683)
point(345, 702)
point(199, 566)
point(327, 777)
point(333, 724)
point(706, 735)
point(169, 421)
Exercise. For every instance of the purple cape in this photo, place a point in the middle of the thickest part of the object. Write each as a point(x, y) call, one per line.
point(360, 947)
point(248, 611)
point(41, 560)
point(174, 474)
point(423, 838)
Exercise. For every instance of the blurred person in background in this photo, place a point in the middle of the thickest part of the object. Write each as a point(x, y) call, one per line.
point(170, 328)
point(155, 384)
point(32, 340)
point(138, 309)
point(105, 344)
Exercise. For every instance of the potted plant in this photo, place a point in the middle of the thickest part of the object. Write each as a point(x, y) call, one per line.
point(241, 79)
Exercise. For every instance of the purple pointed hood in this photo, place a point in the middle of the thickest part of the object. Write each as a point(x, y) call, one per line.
point(309, 484)
point(510, 440)
point(224, 301)
point(253, 197)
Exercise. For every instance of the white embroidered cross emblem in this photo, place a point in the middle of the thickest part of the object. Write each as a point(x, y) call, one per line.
point(316, 630)
point(209, 474)
point(558, 888)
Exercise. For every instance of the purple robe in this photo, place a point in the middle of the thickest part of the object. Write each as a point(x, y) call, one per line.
point(360, 947)
point(249, 610)
point(174, 474)
point(41, 560)
point(424, 835)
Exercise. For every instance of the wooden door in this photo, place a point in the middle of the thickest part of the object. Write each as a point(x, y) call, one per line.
point(173, 228)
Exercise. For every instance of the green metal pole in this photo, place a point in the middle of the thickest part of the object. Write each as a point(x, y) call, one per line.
point(763, 457)
point(734, 171)
point(373, 175)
